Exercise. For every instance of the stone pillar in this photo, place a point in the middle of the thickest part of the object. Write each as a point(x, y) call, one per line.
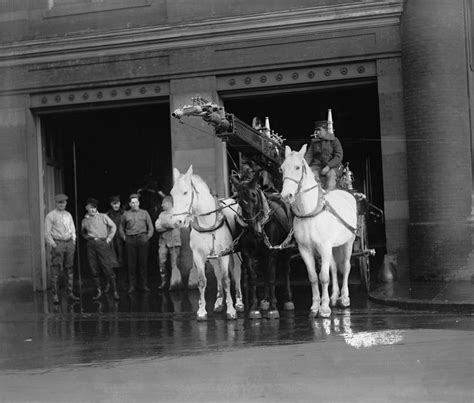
point(394, 161)
point(193, 142)
point(438, 138)
point(18, 233)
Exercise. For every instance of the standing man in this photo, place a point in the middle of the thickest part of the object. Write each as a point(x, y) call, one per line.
point(324, 155)
point(136, 229)
point(115, 213)
point(60, 234)
point(98, 229)
point(169, 244)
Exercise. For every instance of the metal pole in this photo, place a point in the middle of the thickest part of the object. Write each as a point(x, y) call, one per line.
point(78, 249)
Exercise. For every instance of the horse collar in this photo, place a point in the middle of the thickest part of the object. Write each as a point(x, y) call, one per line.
point(218, 223)
point(320, 207)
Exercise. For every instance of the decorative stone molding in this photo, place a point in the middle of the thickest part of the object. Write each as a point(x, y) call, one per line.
point(100, 95)
point(297, 76)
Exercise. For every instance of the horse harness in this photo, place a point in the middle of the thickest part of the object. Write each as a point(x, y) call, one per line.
point(220, 220)
point(321, 205)
point(267, 212)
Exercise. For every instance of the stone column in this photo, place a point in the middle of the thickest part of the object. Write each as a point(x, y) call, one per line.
point(394, 161)
point(194, 141)
point(438, 139)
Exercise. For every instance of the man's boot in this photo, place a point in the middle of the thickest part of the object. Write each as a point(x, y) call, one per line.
point(55, 291)
point(107, 286)
point(114, 289)
point(98, 295)
point(164, 279)
point(70, 284)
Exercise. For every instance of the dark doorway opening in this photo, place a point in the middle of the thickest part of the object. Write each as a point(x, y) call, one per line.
point(117, 151)
point(356, 123)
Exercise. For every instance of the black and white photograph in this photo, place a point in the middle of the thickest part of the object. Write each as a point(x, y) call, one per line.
point(236, 201)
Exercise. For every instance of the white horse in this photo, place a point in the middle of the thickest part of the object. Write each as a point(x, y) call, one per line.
point(210, 236)
point(325, 223)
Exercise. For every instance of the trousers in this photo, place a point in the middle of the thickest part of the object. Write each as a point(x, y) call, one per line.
point(137, 257)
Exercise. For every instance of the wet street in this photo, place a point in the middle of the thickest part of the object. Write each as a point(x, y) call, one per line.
point(149, 347)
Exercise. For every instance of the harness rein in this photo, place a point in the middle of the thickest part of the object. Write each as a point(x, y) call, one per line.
point(321, 205)
point(220, 220)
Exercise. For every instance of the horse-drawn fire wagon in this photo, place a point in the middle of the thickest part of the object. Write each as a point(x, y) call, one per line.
point(261, 149)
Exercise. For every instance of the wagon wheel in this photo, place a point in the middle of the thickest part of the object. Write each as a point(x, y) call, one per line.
point(363, 259)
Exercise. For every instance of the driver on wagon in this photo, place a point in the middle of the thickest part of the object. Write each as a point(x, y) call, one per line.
point(324, 155)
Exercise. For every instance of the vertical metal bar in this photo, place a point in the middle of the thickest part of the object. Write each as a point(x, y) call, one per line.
point(76, 212)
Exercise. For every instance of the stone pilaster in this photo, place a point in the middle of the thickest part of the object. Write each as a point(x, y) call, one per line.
point(438, 138)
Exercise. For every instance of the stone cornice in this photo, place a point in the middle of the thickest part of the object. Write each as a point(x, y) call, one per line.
point(318, 20)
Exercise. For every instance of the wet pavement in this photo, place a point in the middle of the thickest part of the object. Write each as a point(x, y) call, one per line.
point(149, 347)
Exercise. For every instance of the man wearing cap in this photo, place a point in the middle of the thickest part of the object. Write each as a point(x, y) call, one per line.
point(115, 213)
point(60, 234)
point(324, 155)
point(136, 229)
point(98, 229)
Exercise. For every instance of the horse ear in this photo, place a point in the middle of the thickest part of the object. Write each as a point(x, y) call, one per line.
point(287, 151)
point(234, 181)
point(190, 171)
point(176, 174)
point(302, 152)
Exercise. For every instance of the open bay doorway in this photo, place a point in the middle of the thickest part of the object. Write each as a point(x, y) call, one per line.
point(355, 111)
point(104, 152)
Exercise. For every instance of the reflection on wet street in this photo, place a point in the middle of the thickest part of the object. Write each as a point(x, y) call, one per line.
point(37, 335)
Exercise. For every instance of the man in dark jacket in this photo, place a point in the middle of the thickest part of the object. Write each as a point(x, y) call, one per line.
point(324, 155)
point(115, 213)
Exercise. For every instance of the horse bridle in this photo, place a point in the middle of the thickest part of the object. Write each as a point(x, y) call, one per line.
point(256, 216)
point(300, 183)
point(188, 213)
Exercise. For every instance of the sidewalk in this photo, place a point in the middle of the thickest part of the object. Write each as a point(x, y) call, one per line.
point(443, 296)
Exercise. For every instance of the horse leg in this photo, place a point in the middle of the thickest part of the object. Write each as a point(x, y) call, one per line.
point(308, 259)
point(250, 263)
point(288, 305)
point(237, 272)
point(326, 256)
point(335, 285)
point(199, 262)
point(270, 270)
point(265, 302)
point(219, 304)
point(224, 264)
point(346, 250)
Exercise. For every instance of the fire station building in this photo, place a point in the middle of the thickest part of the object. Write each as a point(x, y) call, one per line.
point(87, 88)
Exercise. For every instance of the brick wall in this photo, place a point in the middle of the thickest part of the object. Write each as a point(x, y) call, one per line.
point(438, 137)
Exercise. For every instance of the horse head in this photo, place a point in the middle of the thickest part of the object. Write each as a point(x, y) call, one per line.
point(183, 196)
point(294, 170)
point(251, 201)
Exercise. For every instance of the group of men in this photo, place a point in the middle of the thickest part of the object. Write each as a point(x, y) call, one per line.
point(115, 239)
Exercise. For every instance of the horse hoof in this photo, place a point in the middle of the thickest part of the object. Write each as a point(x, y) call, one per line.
point(218, 308)
point(239, 307)
point(201, 318)
point(344, 302)
point(231, 316)
point(273, 314)
point(289, 306)
point(325, 312)
point(333, 302)
point(313, 313)
point(255, 315)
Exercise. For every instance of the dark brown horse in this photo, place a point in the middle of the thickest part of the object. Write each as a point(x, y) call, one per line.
point(267, 224)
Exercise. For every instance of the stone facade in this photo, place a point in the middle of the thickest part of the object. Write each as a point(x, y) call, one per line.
point(59, 54)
